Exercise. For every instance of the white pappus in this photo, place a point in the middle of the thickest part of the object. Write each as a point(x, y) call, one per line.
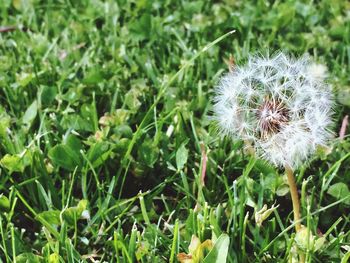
point(278, 105)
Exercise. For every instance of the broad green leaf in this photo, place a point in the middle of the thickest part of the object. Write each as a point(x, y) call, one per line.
point(24, 78)
point(52, 217)
point(339, 191)
point(72, 214)
point(30, 114)
point(4, 203)
point(82, 206)
point(27, 258)
point(48, 95)
point(13, 163)
point(98, 153)
point(219, 252)
point(140, 28)
point(121, 145)
point(93, 76)
point(54, 258)
point(17, 162)
point(76, 122)
point(123, 131)
point(66, 157)
point(181, 157)
point(131, 99)
point(73, 142)
point(148, 153)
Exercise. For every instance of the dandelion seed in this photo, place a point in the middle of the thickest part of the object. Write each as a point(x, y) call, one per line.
point(279, 104)
point(317, 71)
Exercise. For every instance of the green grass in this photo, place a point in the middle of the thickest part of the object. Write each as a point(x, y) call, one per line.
point(105, 135)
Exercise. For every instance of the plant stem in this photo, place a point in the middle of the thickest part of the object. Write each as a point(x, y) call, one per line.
point(295, 198)
point(296, 204)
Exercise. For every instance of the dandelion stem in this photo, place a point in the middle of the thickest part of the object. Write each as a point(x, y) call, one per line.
point(296, 204)
point(295, 198)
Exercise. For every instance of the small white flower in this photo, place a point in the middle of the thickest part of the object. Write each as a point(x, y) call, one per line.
point(279, 104)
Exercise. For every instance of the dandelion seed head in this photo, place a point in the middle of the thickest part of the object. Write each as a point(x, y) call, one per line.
point(281, 105)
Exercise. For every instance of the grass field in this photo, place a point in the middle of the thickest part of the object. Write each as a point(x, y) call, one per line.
point(107, 150)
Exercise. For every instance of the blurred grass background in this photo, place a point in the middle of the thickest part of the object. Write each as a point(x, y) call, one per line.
point(87, 174)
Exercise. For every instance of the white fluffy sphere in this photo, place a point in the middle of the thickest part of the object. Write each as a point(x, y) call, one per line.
point(277, 104)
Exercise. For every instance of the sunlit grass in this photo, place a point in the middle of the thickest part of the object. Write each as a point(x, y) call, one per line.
point(107, 152)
